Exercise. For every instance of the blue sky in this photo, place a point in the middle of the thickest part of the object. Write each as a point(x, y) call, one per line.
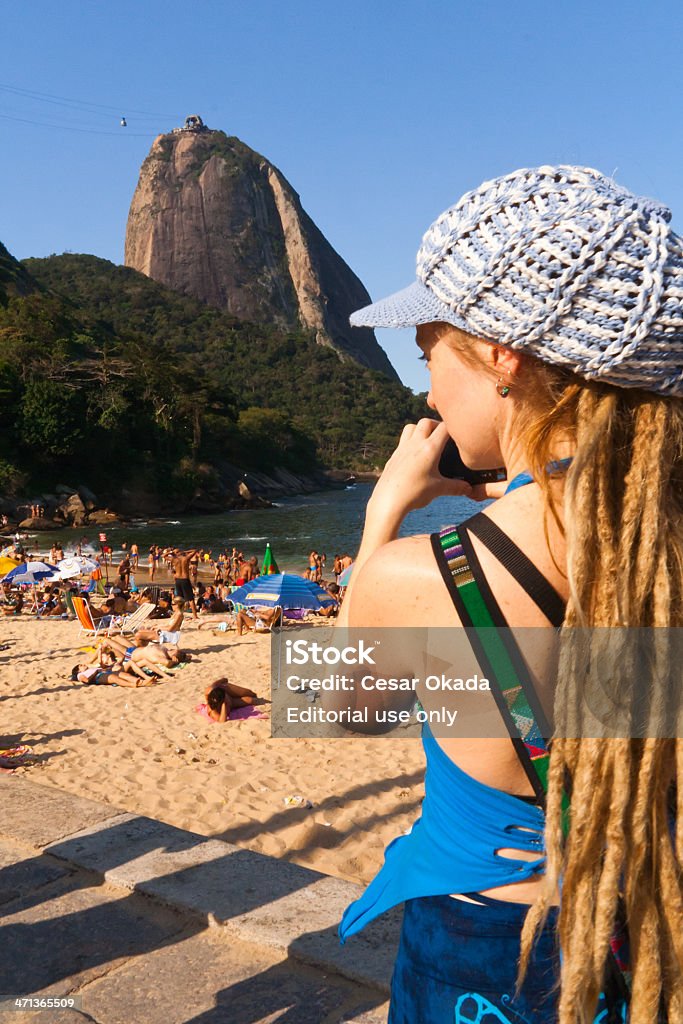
point(380, 113)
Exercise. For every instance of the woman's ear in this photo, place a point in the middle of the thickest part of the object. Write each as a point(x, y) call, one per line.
point(507, 361)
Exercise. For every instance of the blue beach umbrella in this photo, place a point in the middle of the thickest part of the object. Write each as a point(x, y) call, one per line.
point(285, 589)
point(32, 572)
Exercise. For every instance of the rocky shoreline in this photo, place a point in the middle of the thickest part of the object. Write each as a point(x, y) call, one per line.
point(67, 506)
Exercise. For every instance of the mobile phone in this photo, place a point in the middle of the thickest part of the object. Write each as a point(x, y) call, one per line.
point(452, 466)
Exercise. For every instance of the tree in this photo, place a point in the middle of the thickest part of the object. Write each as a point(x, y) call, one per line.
point(51, 417)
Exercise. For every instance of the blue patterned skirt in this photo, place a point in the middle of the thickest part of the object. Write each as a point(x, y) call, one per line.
point(457, 964)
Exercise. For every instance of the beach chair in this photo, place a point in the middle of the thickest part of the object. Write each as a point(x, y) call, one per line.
point(255, 610)
point(84, 616)
point(130, 623)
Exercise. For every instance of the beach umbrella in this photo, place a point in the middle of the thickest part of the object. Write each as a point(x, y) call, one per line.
point(7, 564)
point(75, 565)
point(285, 589)
point(345, 576)
point(32, 572)
point(269, 565)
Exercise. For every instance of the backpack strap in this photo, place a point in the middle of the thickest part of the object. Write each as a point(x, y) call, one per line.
point(520, 567)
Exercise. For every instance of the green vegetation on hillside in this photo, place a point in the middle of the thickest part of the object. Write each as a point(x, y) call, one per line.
point(109, 375)
point(13, 278)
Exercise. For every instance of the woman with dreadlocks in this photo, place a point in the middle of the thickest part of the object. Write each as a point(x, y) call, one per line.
point(542, 882)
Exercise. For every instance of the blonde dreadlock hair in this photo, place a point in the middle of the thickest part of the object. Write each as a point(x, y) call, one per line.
point(623, 521)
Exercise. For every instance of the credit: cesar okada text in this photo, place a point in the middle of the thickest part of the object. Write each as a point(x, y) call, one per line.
point(317, 668)
point(311, 654)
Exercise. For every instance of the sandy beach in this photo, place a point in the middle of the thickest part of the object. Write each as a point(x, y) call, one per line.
point(147, 751)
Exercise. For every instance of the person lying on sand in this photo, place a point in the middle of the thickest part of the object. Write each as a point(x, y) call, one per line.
point(222, 697)
point(259, 621)
point(140, 657)
point(103, 673)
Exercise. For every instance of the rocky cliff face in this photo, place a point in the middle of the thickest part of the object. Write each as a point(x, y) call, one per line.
point(215, 220)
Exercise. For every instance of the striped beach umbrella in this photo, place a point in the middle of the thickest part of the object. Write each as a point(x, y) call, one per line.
point(285, 589)
point(32, 572)
point(76, 565)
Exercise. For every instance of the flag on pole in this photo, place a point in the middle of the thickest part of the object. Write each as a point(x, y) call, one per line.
point(269, 565)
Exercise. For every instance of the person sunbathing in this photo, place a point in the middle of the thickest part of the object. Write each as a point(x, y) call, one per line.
point(105, 615)
point(103, 673)
point(14, 605)
point(123, 602)
point(141, 657)
point(52, 604)
point(222, 697)
point(171, 634)
point(259, 620)
point(330, 610)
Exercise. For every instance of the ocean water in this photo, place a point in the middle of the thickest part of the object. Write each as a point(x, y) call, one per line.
point(328, 521)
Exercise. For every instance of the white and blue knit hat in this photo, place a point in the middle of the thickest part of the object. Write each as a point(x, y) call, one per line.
point(560, 262)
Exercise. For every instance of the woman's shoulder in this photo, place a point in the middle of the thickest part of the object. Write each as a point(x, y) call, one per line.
point(399, 585)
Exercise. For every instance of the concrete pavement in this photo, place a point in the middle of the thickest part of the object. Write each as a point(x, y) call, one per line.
point(143, 922)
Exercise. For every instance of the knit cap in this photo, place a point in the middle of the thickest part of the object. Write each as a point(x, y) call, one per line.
point(562, 263)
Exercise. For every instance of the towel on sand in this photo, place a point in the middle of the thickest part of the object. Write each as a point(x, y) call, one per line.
point(235, 715)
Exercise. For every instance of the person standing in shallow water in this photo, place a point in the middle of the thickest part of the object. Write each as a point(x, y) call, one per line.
point(549, 308)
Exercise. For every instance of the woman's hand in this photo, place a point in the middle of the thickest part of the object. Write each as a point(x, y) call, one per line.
point(410, 480)
point(411, 477)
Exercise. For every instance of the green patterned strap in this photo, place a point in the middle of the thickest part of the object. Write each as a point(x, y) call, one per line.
point(516, 700)
point(514, 695)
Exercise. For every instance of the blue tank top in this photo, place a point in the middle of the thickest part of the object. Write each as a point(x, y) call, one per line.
point(452, 846)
